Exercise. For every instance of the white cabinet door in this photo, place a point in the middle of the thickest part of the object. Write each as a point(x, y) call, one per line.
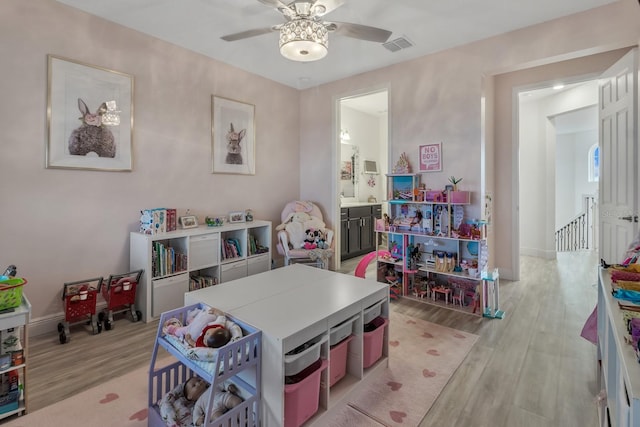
point(233, 270)
point(204, 251)
point(168, 293)
point(258, 264)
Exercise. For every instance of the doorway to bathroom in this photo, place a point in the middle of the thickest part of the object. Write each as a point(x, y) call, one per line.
point(363, 161)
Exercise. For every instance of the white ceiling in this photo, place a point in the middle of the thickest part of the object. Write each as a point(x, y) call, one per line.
point(430, 25)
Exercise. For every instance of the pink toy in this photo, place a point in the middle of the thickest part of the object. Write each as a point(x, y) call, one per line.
point(361, 268)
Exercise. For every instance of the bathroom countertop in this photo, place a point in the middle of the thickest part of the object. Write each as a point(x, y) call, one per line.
point(357, 204)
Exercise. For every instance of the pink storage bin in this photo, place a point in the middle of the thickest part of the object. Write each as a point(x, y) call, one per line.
point(301, 399)
point(433, 196)
point(460, 197)
point(338, 360)
point(372, 342)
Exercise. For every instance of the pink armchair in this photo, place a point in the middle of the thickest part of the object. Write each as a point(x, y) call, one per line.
point(301, 222)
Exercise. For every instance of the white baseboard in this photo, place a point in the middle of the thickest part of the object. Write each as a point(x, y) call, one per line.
point(49, 324)
point(538, 253)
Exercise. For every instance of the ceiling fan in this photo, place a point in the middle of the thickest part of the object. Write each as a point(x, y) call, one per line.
point(304, 35)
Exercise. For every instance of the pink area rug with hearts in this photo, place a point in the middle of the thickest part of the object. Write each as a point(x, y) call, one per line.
point(120, 402)
point(422, 358)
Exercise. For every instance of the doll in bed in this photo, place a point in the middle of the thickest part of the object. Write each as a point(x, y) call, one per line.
point(205, 328)
point(186, 404)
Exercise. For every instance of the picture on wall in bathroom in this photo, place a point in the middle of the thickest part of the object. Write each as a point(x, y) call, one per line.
point(346, 171)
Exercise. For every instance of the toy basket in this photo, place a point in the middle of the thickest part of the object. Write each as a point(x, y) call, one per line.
point(11, 293)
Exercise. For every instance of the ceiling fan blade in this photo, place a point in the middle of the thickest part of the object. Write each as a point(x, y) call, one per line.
point(273, 3)
point(357, 31)
point(327, 5)
point(246, 34)
point(279, 6)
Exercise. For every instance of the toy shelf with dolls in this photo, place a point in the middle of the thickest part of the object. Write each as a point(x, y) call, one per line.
point(234, 368)
point(434, 255)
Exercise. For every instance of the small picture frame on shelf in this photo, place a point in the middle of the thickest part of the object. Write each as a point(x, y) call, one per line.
point(188, 221)
point(448, 187)
point(236, 217)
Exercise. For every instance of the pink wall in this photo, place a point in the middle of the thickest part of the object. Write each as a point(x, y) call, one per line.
point(64, 225)
point(438, 98)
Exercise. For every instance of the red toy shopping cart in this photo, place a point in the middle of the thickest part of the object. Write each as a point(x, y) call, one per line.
point(79, 299)
point(120, 294)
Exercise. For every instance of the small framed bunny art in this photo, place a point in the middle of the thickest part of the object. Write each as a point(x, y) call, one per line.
point(89, 117)
point(232, 136)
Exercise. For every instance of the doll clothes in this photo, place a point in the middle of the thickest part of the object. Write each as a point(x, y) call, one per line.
point(175, 409)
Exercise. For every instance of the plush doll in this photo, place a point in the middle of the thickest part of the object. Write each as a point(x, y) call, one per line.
point(295, 225)
point(224, 399)
point(176, 406)
point(310, 242)
point(205, 328)
point(321, 240)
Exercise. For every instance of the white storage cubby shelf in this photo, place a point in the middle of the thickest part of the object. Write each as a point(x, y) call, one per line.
point(449, 250)
point(15, 402)
point(183, 260)
point(237, 362)
point(618, 366)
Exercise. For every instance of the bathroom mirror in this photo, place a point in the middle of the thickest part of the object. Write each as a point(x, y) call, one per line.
point(349, 158)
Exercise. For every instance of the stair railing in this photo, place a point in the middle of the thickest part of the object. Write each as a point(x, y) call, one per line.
point(579, 232)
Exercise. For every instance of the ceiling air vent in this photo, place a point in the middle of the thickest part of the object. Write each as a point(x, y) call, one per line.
point(397, 44)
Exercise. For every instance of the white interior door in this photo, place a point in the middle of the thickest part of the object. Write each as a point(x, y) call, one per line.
point(618, 123)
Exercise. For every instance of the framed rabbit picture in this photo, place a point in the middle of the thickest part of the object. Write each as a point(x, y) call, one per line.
point(232, 136)
point(89, 117)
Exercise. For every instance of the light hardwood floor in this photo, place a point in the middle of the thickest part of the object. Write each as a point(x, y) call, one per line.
point(530, 369)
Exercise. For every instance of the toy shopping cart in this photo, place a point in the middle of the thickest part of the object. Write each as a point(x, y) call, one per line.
point(120, 294)
point(79, 300)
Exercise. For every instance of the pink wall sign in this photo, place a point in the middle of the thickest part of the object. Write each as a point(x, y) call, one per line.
point(431, 157)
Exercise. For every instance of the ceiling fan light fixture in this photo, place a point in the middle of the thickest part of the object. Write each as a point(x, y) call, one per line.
point(303, 40)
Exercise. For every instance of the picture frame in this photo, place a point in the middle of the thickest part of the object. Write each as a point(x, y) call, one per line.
point(346, 171)
point(237, 216)
point(77, 99)
point(188, 221)
point(232, 136)
point(430, 156)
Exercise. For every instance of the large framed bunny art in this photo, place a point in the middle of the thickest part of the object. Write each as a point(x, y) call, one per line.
point(232, 136)
point(89, 117)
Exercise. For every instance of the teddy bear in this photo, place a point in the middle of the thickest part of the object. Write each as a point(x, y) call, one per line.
point(311, 241)
point(226, 397)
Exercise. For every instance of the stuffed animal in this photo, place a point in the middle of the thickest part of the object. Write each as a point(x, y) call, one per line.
point(224, 399)
point(311, 241)
point(322, 239)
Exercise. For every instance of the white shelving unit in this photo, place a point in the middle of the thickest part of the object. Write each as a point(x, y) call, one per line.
point(443, 246)
point(292, 306)
point(18, 318)
point(618, 367)
point(217, 254)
